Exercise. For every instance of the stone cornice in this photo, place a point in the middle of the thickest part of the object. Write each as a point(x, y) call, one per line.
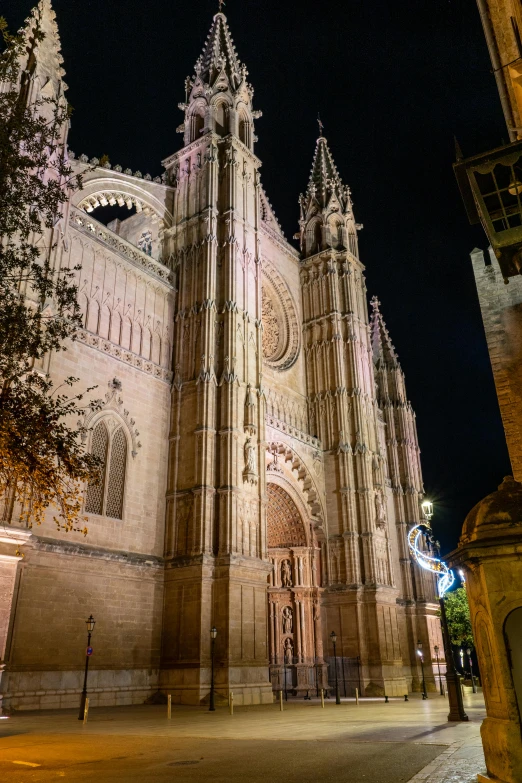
point(58, 547)
point(123, 355)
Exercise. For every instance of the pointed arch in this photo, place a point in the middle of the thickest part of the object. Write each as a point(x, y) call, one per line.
point(99, 447)
point(314, 236)
point(244, 126)
point(221, 117)
point(116, 480)
point(126, 334)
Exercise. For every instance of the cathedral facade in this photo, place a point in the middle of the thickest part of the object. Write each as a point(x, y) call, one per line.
point(261, 463)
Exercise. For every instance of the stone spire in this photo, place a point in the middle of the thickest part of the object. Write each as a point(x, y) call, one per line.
point(326, 220)
point(219, 55)
point(325, 181)
point(218, 96)
point(384, 353)
point(43, 59)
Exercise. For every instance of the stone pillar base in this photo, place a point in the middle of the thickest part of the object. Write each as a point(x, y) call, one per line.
point(191, 686)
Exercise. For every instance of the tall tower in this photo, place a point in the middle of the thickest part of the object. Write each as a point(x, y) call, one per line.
point(417, 586)
point(216, 552)
point(365, 590)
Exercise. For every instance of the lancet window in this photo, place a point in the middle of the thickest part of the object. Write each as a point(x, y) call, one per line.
point(106, 497)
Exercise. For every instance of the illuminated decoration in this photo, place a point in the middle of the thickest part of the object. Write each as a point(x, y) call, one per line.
point(444, 575)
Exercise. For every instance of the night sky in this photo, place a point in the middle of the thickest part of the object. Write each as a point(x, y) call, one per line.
point(394, 83)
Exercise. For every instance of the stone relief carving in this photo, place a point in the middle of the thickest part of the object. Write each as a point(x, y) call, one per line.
point(271, 327)
point(288, 620)
point(380, 510)
point(281, 329)
point(286, 573)
point(250, 411)
point(250, 471)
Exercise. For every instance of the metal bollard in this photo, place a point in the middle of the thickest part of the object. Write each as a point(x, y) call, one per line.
point(231, 702)
point(322, 698)
point(169, 706)
point(357, 695)
point(281, 701)
point(385, 699)
point(86, 711)
point(406, 697)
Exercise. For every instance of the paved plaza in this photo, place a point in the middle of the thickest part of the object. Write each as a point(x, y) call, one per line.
point(372, 742)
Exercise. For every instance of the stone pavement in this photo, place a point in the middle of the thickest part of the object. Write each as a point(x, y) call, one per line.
point(370, 743)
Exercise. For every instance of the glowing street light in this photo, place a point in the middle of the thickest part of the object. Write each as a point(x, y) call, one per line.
point(427, 509)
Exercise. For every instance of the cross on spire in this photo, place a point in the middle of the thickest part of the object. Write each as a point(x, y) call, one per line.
point(221, 4)
point(321, 126)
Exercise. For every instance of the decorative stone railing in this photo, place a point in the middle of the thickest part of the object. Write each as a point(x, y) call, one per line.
point(293, 432)
point(91, 227)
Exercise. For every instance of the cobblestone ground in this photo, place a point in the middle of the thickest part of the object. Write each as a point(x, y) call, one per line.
point(459, 764)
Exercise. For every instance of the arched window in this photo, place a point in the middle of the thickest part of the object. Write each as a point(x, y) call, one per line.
point(336, 234)
point(220, 115)
point(244, 130)
point(106, 498)
point(314, 237)
point(197, 123)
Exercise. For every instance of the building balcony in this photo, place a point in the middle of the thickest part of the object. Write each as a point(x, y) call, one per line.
point(491, 188)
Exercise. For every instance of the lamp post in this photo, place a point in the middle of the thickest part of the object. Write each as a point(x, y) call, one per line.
point(333, 637)
point(284, 672)
point(91, 622)
point(473, 686)
point(421, 656)
point(213, 634)
point(445, 580)
point(441, 685)
point(456, 703)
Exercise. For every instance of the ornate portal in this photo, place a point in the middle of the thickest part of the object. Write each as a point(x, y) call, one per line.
point(296, 650)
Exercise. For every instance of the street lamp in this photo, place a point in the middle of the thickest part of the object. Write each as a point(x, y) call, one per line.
point(284, 671)
point(427, 508)
point(445, 579)
point(213, 634)
point(421, 656)
point(441, 685)
point(474, 687)
point(91, 622)
point(333, 637)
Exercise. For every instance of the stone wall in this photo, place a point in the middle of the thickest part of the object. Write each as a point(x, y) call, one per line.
point(501, 307)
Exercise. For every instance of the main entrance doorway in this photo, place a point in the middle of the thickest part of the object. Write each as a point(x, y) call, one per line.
point(295, 632)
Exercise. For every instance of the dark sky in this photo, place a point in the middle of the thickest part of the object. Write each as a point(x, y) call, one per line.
point(394, 83)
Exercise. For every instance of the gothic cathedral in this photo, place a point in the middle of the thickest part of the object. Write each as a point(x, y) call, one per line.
point(261, 464)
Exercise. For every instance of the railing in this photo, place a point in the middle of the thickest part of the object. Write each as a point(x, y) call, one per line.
point(91, 227)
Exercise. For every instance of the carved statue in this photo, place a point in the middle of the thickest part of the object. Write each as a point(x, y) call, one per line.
point(289, 650)
point(380, 510)
point(286, 573)
point(250, 456)
point(287, 620)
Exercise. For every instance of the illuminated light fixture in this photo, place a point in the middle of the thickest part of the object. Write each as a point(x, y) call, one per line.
point(437, 566)
point(462, 576)
point(427, 508)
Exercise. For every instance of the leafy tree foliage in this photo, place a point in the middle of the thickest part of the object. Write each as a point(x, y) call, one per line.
point(42, 459)
point(459, 621)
